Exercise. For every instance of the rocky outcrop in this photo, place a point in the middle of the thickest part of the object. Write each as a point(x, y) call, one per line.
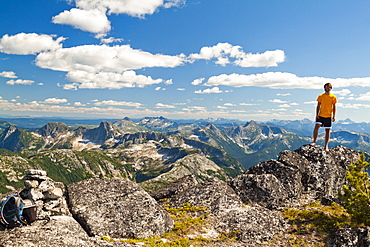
point(308, 173)
point(101, 207)
point(126, 125)
point(117, 207)
point(53, 129)
point(251, 224)
point(10, 139)
point(139, 138)
point(177, 187)
point(99, 135)
point(344, 237)
point(244, 207)
point(254, 225)
point(58, 231)
point(198, 165)
point(158, 123)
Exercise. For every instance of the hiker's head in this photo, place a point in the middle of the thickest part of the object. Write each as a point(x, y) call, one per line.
point(328, 85)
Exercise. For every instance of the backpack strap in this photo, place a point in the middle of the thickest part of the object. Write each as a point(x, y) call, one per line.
point(19, 213)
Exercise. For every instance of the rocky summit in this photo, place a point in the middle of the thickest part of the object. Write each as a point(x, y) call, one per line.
point(247, 207)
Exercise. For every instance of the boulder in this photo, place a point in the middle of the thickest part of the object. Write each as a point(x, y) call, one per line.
point(58, 231)
point(175, 188)
point(264, 189)
point(343, 237)
point(116, 207)
point(252, 225)
point(226, 212)
point(213, 195)
point(309, 173)
point(325, 174)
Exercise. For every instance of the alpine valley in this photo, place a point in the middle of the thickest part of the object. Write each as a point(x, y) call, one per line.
point(153, 151)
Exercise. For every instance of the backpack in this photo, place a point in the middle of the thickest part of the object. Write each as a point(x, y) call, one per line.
point(11, 212)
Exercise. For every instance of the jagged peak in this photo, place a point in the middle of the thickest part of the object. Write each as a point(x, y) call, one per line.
point(251, 123)
point(11, 128)
point(53, 129)
point(8, 131)
point(105, 125)
point(211, 127)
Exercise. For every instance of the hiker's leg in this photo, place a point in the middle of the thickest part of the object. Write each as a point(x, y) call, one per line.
point(327, 137)
point(315, 133)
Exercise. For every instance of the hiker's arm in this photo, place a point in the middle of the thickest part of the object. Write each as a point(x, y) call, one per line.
point(318, 110)
point(334, 112)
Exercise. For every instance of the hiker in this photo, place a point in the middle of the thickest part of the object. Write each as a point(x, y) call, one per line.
point(325, 114)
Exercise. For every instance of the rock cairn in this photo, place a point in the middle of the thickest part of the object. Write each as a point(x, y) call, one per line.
point(47, 194)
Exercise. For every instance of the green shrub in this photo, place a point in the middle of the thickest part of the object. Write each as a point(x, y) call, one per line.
point(356, 194)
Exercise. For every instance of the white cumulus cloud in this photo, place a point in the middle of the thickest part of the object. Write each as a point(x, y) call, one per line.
point(209, 90)
point(8, 74)
point(95, 58)
point(92, 20)
point(111, 80)
point(161, 105)
point(91, 15)
point(197, 81)
point(362, 97)
point(29, 43)
point(343, 92)
point(20, 82)
point(222, 52)
point(278, 101)
point(103, 66)
point(282, 80)
point(55, 101)
point(117, 103)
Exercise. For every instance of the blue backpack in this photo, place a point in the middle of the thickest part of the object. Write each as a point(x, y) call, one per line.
point(11, 212)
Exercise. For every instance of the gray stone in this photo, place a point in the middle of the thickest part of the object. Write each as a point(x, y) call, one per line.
point(31, 184)
point(357, 237)
point(308, 173)
point(175, 188)
point(59, 231)
point(32, 194)
point(117, 207)
point(36, 172)
point(46, 185)
point(54, 193)
point(213, 195)
point(252, 224)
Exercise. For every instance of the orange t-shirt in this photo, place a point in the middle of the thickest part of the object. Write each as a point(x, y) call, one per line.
point(327, 102)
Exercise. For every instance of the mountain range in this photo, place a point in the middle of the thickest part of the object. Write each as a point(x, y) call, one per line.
point(152, 147)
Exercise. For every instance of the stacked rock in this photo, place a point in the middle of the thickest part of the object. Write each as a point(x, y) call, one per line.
point(47, 194)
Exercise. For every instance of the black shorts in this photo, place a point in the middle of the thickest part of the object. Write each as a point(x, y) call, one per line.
point(325, 122)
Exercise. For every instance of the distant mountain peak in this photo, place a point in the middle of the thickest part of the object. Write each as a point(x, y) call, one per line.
point(99, 135)
point(53, 129)
point(251, 123)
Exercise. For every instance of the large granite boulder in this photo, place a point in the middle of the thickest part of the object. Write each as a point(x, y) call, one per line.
point(175, 188)
point(58, 231)
point(227, 214)
point(344, 237)
point(213, 195)
point(253, 225)
point(116, 207)
point(308, 173)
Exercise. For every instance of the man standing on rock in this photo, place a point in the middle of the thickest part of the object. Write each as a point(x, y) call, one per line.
point(325, 114)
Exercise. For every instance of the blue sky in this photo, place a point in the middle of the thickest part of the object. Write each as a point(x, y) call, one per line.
point(238, 59)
